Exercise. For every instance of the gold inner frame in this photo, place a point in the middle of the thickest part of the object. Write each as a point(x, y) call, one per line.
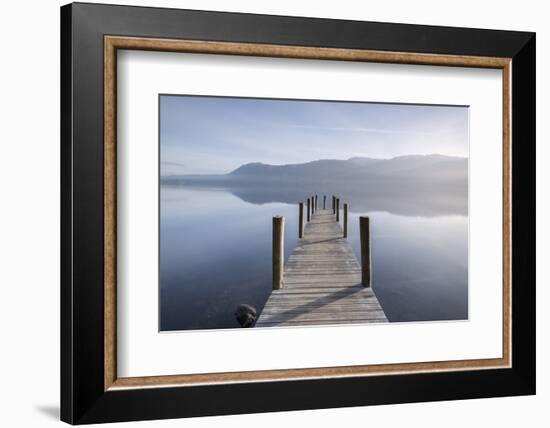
point(113, 43)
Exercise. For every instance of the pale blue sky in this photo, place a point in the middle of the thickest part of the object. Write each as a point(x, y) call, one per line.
point(213, 135)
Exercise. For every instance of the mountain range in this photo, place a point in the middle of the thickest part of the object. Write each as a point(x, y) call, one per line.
point(429, 185)
point(433, 168)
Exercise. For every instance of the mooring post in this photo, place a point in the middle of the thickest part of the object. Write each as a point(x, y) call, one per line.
point(316, 206)
point(337, 210)
point(312, 204)
point(301, 221)
point(346, 207)
point(364, 233)
point(333, 204)
point(308, 210)
point(324, 202)
point(278, 251)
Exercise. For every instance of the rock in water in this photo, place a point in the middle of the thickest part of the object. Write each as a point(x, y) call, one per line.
point(246, 315)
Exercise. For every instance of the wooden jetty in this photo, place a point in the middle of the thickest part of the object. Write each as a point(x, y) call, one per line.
point(322, 283)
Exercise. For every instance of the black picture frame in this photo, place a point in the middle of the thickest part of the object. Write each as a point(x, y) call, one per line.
point(83, 397)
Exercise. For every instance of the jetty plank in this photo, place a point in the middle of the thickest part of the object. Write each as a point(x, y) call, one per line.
point(321, 282)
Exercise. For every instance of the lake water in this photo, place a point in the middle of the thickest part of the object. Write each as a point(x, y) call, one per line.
point(215, 252)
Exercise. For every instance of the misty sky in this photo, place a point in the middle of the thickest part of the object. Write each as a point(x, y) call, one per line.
point(213, 135)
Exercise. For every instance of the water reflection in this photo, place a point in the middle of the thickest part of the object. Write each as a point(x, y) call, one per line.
point(401, 197)
point(215, 248)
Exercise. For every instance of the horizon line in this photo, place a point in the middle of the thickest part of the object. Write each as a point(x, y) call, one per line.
point(170, 163)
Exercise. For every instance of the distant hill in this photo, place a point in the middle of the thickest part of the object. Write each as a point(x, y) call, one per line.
point(428, 185)
point(434, 168)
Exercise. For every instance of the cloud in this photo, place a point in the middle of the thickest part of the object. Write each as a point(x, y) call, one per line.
point(172, 163)
point(366, 130)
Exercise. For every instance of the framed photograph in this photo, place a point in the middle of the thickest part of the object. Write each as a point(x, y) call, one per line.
point(265, 213)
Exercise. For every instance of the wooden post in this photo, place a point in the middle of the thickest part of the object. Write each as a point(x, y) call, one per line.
point(324, 202)
point(346, 207)
point(312, 204)
point(278, 251)
point(364, 233)
point(337, 210)
point(301, 221)
point(316, 206)
point(308, 210)
point(333, 204)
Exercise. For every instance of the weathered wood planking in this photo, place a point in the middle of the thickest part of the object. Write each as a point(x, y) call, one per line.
point(321, 282)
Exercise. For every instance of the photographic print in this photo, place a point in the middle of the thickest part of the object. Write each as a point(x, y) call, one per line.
point(292, 213)
point(294, 183)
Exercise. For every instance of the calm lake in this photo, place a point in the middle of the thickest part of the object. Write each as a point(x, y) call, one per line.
point(215, 252)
